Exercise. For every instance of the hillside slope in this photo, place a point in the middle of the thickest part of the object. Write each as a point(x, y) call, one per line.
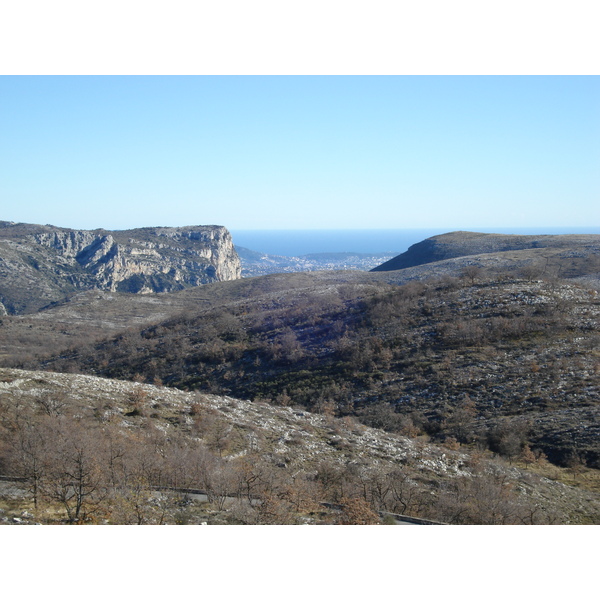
point(447, 357)
point(464, 243)
point(96, 314)
point(256, 463)
point(476, 351)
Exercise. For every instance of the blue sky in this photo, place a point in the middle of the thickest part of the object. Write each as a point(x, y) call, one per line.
point(301, 152)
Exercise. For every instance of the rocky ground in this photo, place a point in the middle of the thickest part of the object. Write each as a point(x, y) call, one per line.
point(294, 441)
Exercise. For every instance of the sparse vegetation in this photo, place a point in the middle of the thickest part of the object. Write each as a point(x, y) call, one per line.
point(456, 362)
point(448, 397)
point(97, 463)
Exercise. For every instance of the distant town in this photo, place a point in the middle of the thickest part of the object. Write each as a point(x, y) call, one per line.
point(255, 264)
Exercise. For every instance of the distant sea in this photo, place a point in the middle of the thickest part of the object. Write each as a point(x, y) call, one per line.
point(298, 242)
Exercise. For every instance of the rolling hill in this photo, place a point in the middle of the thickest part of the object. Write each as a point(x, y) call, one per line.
point(486, 352)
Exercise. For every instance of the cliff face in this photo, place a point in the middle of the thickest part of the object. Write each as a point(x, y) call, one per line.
point(44, 264)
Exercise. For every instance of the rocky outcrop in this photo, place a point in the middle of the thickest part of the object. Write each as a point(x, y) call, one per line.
point(41, 264)
point(466, 243)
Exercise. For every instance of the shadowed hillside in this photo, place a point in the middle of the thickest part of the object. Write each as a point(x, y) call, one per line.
point(476, 359)
point(465, 243)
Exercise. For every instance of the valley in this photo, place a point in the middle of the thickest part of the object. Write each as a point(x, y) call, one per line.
point(255, 264)
point(469, 375)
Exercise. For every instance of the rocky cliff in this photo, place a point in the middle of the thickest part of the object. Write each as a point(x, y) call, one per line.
point(42, 264)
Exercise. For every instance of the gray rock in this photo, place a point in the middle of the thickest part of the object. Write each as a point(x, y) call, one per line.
point(42, 264)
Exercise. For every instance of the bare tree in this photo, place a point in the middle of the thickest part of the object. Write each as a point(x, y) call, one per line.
point(472, 272)
point(28, 453)
point(51, 403)
point(531, 271)
point(76, 475)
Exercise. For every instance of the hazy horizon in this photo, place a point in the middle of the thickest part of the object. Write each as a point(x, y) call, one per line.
point(299, 242)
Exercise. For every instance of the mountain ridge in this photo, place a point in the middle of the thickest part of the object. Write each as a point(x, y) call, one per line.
point(459, 244)
point(42, 264)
